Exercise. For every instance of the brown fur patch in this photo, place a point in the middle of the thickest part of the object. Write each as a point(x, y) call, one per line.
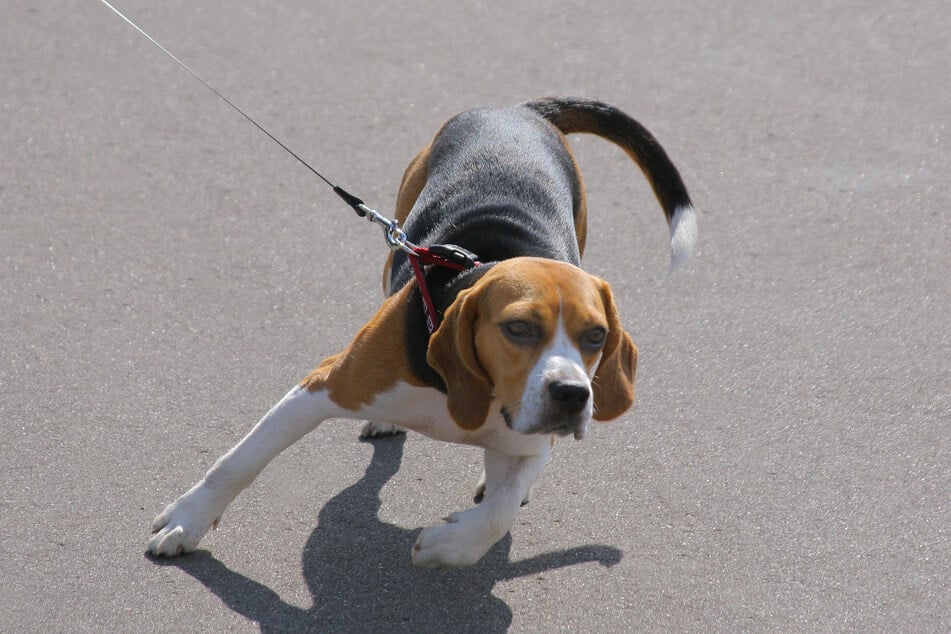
point(581, 205)
point(452, 354)
point(373, 363)
point(613, 383)
point(414, 179)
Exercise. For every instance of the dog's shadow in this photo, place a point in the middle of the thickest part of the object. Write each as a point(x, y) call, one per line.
point(359, 573)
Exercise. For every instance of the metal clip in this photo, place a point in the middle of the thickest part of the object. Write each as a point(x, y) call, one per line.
point(396, 238)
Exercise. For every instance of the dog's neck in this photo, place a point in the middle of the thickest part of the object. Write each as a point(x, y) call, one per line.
point(444, 287)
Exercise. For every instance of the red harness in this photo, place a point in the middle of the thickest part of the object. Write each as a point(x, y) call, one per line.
point(445, 255)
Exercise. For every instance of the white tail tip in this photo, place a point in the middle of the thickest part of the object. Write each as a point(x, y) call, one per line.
point(683, 235)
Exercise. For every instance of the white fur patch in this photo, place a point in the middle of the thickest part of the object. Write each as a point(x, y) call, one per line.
point(561, 361)
point(683, 235)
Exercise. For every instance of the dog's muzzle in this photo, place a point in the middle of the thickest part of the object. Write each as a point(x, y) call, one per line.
point(566, 411)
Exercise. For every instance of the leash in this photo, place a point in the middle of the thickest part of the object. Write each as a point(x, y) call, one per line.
point(445, 255)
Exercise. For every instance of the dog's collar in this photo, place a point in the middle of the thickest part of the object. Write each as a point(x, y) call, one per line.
point(447, 256)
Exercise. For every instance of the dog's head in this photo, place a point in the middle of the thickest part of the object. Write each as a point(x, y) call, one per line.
point(541, 337)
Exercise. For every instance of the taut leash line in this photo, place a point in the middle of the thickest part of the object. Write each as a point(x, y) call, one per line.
point(355, 202)
point(445, 255)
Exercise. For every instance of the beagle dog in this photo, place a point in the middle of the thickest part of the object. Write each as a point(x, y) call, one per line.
point(529, 347)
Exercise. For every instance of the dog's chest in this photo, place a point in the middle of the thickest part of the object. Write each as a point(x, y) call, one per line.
point(424, 410)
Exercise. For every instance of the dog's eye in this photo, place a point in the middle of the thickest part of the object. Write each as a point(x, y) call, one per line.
point(519, 331)
point(594, 339)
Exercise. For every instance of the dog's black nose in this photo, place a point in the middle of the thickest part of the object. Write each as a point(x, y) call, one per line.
point(570, 397)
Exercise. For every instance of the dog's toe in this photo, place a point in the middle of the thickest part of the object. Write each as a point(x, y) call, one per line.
point(183, 523)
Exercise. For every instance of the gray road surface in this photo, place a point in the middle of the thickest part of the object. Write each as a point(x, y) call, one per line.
point(166, 273)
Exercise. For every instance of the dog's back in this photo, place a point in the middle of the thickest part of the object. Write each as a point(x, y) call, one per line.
point(502, 183)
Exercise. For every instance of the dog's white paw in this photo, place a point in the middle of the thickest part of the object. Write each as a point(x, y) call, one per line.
point(183, 523)
point(458, 541)
point(373, 429)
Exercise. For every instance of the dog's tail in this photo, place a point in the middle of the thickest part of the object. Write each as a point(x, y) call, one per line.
point(574, 114)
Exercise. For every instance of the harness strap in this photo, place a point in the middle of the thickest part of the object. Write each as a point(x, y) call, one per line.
point(432, 319)
point(445, 255)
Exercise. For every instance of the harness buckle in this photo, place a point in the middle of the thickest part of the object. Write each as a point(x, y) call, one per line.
point(455, 254)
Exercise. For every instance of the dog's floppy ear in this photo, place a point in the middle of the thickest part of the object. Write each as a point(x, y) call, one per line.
point(613, 382)
point(452, 354)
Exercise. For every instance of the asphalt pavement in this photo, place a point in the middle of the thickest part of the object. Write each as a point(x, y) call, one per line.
point(167, 273)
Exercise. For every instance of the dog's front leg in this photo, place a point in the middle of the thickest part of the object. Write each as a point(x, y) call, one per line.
point(183, 523)
point(340, 387)
point(464, 537)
